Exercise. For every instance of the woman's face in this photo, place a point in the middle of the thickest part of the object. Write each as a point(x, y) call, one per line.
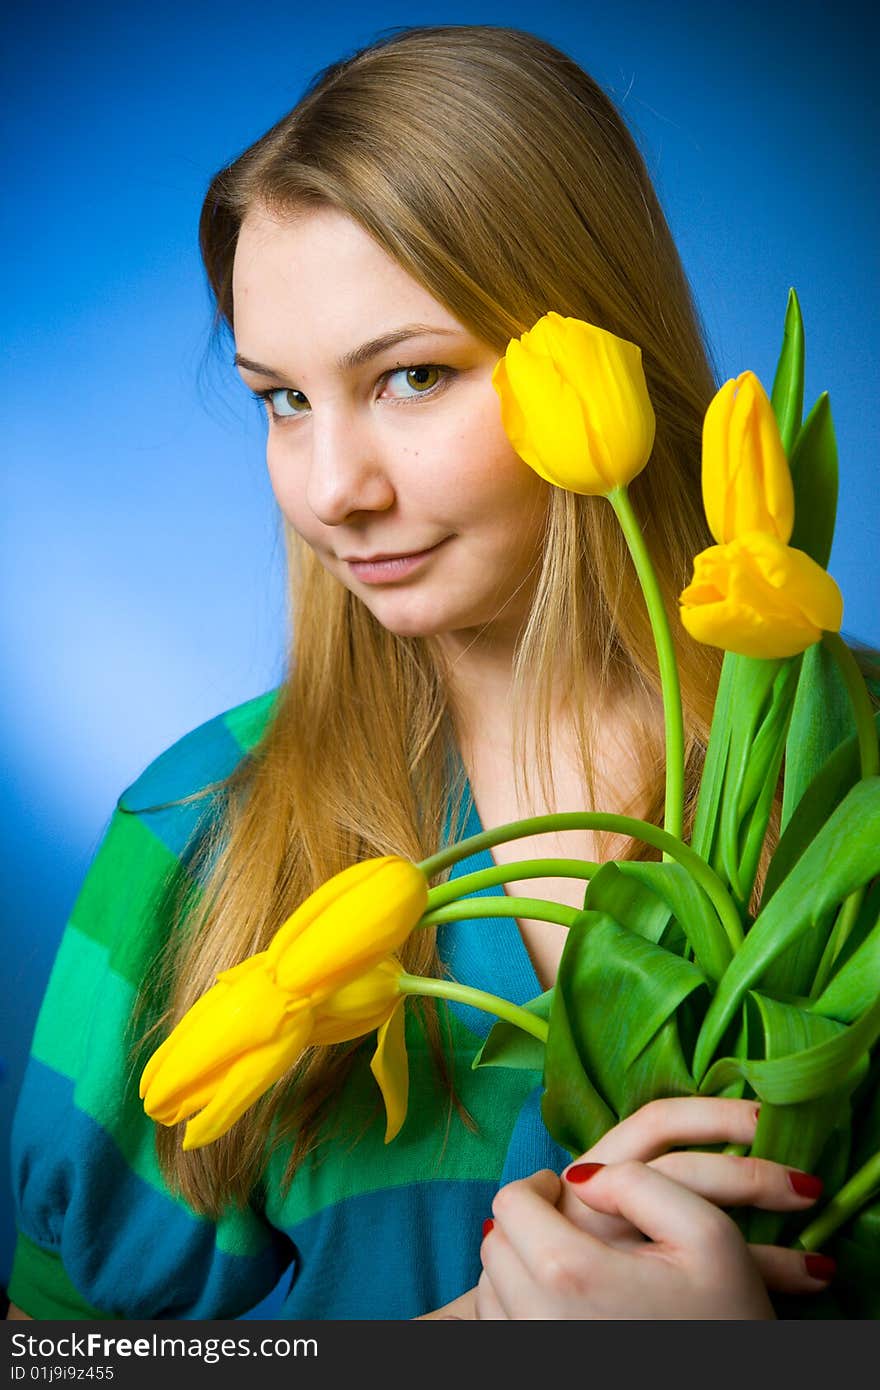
point(384, 448)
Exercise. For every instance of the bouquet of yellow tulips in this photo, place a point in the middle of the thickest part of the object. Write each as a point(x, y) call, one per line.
point(670, 982)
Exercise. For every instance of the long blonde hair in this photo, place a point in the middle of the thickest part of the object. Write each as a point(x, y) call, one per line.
point(503, 180)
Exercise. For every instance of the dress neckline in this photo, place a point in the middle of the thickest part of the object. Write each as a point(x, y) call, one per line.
point(485, 952)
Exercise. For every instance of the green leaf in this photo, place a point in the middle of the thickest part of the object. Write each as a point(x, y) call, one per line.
point(761, 781)
point(814, 475)
point(844, 855)
point(691, 909)
point(509, 1046)
point(613, 1028)
point(857, 983)
point(634, 904)
point(828, 787)
point(797, 1135)
point(814, 1137)
point(821, 719)
point(715, 763)
point(574, 1113)
point(812, 1072)
point(765, 750)
point(787, 395)
point(787, 1027)
point(762, 700)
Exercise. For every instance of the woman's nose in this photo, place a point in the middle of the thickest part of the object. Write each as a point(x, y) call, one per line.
point(347, 472)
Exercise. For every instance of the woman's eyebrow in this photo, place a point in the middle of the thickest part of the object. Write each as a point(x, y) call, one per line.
point(359, 355)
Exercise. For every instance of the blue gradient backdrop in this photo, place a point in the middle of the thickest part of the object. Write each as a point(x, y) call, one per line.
point(142, 565)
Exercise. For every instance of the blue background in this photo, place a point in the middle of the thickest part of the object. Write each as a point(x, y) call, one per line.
point(143, 586)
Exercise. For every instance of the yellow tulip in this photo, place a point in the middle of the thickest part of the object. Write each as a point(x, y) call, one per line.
point(758, 597)
point(327, 976)
point(238, 1039)
point(349, 924)
point(746, 479)
point(575, 404)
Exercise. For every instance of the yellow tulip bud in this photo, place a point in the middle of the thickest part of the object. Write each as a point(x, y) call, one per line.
point(575, 404)
point(327, 976)
point(348, 925)
point(746, 479)
point(758, 597)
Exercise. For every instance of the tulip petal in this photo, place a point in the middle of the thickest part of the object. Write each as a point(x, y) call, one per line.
point(390, 1067)
point(614, 396)
point(237, 1020)
point(211, 1003)
point(554, 444)
point(512, 418)
point(746, 480)
point(575, 404)
point(244, 1083)
point(359, 1007)
point(716, 433)
point(761, 598)
point(369, 914)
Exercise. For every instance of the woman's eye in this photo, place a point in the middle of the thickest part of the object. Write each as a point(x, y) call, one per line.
point(286, 403)
point(419, 380)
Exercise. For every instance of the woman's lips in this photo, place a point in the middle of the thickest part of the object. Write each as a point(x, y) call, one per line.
point(383, 571)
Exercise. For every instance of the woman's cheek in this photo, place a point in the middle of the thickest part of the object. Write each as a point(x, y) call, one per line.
point(283, 482)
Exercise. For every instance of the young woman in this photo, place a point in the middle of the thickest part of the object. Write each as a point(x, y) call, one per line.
point(470, 647)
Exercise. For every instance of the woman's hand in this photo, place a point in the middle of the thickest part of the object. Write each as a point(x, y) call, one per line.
point(694, 1264)
point(666, 1134)
point(637, 1231)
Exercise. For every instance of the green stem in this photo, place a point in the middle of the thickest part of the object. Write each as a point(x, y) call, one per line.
point(844, 1204)
point(600, 820)
point(478, 999)
point(534, 909)
point(673, 815)
point(869, 758)
point(509, 873)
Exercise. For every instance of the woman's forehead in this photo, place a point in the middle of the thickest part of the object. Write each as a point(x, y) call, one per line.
point(319, 280)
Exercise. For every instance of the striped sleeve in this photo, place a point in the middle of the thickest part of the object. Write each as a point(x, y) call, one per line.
point(99, 1232)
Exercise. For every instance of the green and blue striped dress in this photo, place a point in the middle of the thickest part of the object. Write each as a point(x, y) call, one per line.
point(366, 1231)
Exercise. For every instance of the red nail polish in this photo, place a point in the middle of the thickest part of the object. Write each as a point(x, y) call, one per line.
point(580, 1172)
point(757, 1113)
point(487, 1226)
point(804, 1184)
point(820, 1267)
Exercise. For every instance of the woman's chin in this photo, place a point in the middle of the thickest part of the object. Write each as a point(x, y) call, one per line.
point(410, 615)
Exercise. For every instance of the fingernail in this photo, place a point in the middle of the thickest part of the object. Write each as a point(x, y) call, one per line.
point(820, 1267)
point(804, 1184)
point(757, 1113)
point(580, 1172)
point(487, 1226)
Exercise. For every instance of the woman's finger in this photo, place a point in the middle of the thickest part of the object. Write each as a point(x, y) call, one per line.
point(729, 1180)
point(532, 1235)
point(486, 1305)
point(539, 1266)
point(505, 1289)
point(683, 1120)
point(726, 1181)
point(668, 1213)
point(793, 1271)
